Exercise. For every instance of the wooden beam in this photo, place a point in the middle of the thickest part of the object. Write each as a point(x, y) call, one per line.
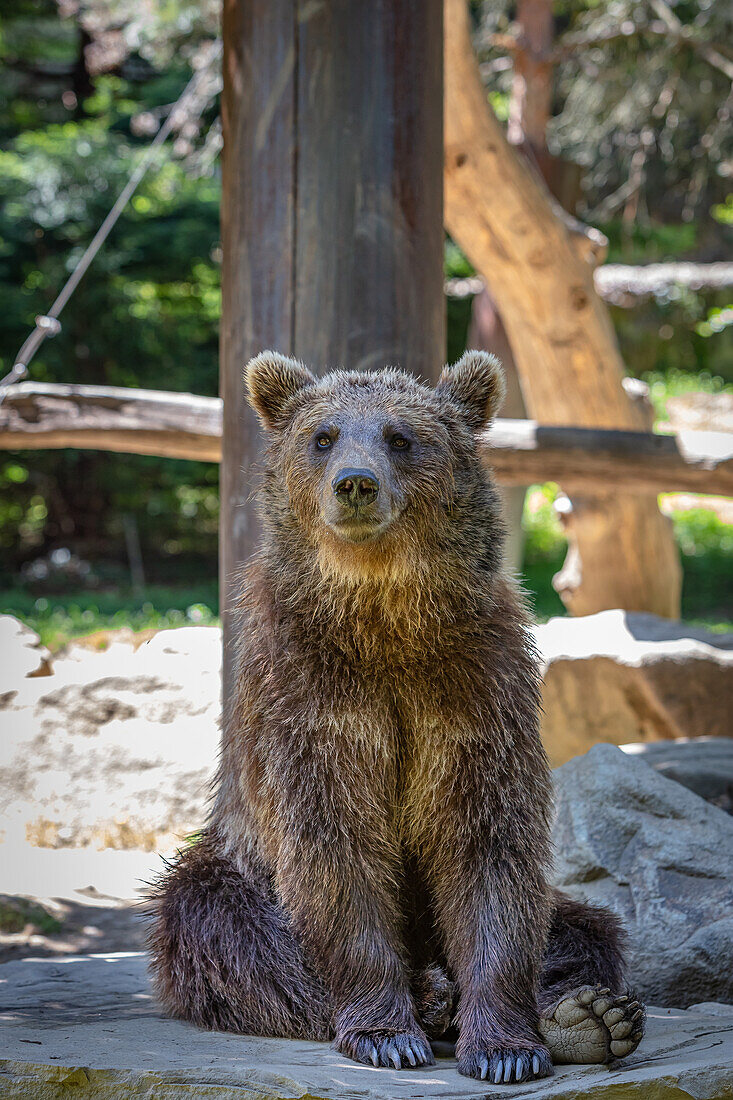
point(591, 459)
point(176, 425)
point(258, 246)
point(627, 284)
point(37, 416)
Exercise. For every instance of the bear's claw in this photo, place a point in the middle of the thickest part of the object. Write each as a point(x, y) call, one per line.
point(394, 1049)
point(591, 1026)
point(506, 1064)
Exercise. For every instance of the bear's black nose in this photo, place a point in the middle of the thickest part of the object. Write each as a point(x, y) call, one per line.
point(356, 486)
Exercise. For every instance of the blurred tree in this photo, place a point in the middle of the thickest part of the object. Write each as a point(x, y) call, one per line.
point(641, 100)
point(636, 97)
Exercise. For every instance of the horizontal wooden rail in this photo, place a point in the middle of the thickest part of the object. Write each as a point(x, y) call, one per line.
point(34, 416)
point(180, 425)
point(522, 452)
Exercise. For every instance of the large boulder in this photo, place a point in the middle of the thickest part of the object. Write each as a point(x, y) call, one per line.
point(115, 749)
point(659, 856)
point(704, 766)
point(622, 676)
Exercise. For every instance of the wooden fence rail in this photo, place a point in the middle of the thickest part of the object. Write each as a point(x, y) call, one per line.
point(35, 416)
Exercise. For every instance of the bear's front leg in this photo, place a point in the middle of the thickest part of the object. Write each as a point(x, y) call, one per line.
point(336, 871)
point(493, 906)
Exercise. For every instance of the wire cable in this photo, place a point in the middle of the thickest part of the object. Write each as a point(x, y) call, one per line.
point(47, 324)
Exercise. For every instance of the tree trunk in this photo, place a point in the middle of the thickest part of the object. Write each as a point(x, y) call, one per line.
point(560, 332)
point(486, 333)
point(531, 99)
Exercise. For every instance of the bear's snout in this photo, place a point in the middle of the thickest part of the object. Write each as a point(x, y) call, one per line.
point(355, 486)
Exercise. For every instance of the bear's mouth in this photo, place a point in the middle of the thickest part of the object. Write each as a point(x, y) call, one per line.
point(358, 529)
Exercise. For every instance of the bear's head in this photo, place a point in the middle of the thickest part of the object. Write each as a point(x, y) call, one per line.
point(377, 473)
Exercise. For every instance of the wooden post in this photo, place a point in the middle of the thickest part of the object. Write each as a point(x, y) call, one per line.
point(332, 223)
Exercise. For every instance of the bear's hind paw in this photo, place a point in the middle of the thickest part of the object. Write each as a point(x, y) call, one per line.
point(592, 1026)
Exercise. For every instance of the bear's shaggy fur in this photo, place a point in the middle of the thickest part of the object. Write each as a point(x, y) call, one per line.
point(381, 828)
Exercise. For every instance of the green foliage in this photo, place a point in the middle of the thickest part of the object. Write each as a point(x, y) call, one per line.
point(17, 913)
point(58, 618)
point(716, 321)
point(545, 540)
point(675, 383)
point(723, 211)
point(705, 544)
point(145, 315)
point(674, 335)
point(636, 103)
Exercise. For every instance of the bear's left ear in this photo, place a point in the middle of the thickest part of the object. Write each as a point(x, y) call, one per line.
point(476, 384)
point(272, 380)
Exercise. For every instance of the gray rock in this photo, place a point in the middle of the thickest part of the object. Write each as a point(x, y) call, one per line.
point(704, 766)
point(659, 856)
point(88, 1025)
point(622, 677)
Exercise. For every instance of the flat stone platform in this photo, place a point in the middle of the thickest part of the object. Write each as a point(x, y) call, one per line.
point(87, 1027)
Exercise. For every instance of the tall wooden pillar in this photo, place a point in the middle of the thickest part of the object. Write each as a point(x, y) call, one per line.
point(332, 208)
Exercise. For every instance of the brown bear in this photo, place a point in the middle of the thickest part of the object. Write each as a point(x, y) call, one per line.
point(375, 867)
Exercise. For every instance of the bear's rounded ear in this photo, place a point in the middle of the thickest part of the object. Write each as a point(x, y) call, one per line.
point(476, 384)
point(272, 380)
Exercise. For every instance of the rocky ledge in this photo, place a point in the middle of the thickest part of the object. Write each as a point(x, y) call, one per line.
point(88, 1026)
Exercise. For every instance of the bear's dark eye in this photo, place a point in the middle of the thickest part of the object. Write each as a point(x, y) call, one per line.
point(399, 443)
point(323, 441)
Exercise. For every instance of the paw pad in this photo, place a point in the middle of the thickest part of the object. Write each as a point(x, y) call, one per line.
point(592, 1025)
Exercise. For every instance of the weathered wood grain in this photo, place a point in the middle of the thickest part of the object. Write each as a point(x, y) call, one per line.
point(175, 425)
point(40, 416)
point(563, 342)
point(258, 245)
point(332, 207)
point(369, 201)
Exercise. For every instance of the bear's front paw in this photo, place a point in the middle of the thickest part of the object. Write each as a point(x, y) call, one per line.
point(397, 1049)
point(502, 1065)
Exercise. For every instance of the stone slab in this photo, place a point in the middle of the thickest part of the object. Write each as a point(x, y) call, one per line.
point(88, 1027)
point(624, 677)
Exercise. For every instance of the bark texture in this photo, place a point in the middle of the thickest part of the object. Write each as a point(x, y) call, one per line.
point(499, 212)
